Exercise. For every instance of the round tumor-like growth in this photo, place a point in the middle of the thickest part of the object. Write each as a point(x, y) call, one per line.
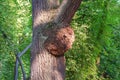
point(60, 40)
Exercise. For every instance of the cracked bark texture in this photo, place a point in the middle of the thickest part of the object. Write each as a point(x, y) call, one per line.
point(44, 64)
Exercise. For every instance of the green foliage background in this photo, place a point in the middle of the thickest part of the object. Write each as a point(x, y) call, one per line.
point(95, 54)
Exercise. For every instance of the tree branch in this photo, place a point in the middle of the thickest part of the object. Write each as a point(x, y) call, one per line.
point(22, 68)
point(18, 61)
point(16, 70)
point(20, 54)
point(67, 11)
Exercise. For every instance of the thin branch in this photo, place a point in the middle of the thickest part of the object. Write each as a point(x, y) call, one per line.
point(22, 68)
point(16, 70)
point(18, 61)
point(20, 54)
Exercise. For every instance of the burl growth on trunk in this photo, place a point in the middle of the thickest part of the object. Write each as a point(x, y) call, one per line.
point(60, 40)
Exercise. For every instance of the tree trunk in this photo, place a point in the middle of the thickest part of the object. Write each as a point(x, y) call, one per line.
point(52, 37)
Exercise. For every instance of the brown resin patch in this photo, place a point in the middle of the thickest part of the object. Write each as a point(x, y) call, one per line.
point(60, 40)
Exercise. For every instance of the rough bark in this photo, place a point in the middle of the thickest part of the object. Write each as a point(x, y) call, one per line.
point(49, 23)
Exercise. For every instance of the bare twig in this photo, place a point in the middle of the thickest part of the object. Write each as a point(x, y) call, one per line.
point(22, 68)
point(18, 61)
point(20, 54)
point(16, 70)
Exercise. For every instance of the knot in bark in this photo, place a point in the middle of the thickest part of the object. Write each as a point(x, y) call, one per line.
point(60, 40)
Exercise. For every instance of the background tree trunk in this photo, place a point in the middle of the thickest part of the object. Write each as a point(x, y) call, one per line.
point(44, 65)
